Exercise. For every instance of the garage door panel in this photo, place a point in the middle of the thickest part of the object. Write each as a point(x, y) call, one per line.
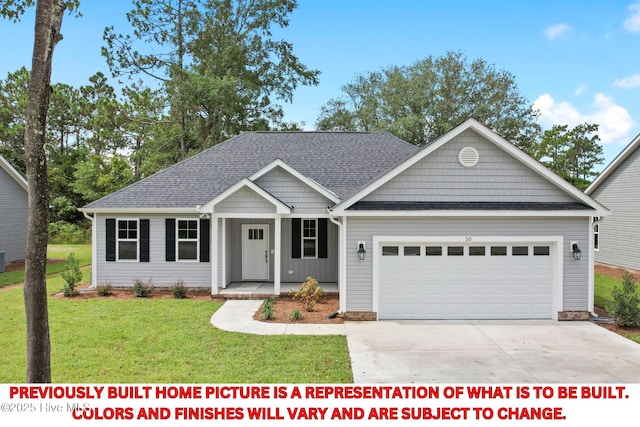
point(466, 287)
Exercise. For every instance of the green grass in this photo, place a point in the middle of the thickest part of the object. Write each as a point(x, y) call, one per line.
point(82, 252)
point(603, 287)
point(142, 340)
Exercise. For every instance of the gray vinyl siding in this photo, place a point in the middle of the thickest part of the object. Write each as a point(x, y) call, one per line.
point(322, 269)
point(293, 192)
point(360, 273)
point(620, 232)
point(14, 209)
point(245, 200)
point(160, 272)
point(498, 177)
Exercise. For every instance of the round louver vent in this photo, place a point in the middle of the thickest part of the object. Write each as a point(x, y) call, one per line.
point(468, 157)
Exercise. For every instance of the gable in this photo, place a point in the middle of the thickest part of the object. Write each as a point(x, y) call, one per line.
point(497, 177)
point(622, 182)
point(293, 192)
point(245, 200)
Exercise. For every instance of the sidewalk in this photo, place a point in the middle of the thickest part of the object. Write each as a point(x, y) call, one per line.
point(237, 316)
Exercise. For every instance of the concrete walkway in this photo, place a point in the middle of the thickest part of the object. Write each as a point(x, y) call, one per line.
point(237, 316)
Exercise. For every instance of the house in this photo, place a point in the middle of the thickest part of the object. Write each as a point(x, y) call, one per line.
point(467, 227)
point(617, 238)
point(14, 213)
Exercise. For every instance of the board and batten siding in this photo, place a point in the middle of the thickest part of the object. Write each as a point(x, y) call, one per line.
point(498, 177)
point(14, 218)
point(620, 232)
point(359, 274)
point(293, 192)
point(158, 271)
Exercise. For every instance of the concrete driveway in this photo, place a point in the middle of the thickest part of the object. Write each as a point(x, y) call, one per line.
point(490, 352)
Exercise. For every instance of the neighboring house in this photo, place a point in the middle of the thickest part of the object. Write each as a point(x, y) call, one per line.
point(14, 212)
point(617, 187)
point(467, 227)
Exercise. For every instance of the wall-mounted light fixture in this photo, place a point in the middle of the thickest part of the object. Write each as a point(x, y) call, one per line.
point(362, 253)
point(575, 250)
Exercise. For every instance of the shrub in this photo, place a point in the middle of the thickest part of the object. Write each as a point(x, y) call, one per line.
point(179, 290)
point(295, 315)
point(267, 309)
point(66, 232)
point(308, 293)
point(104, 290)
point(142, 289)
point(71, 276)
point(625, 308)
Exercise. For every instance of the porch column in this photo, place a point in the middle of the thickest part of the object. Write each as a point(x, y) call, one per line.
point(214, 255)
point(276, 257)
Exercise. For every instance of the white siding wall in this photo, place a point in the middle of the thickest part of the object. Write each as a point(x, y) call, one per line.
point(360, 273)
point(293, 192)
point(14, 210)
point(497, 177)
point(160, 272)
point(620, 232)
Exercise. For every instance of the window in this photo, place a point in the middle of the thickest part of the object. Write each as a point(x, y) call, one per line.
point(433, 251)
point(187, 240)
point(127, 240)
point(498, 251)
point(309, 238)
point(520, 250)
point(389, 251)
point(596, 237)
point(455, 250)
point(412, 251)
point(540, 250)
point(476, 250)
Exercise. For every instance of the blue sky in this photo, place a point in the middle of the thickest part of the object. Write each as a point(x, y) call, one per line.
point(575, 60)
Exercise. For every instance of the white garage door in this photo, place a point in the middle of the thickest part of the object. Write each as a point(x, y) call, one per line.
point(423, 280)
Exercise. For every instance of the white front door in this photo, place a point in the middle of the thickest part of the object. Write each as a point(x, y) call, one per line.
point(255, 252)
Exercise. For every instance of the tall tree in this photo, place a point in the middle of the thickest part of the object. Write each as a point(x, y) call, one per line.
point(13, 116)
point(48, 23)
point(422, 101)
point(217, 61)
point(573, 154)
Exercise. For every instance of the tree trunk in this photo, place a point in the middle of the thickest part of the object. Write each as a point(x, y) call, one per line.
point(49, 15)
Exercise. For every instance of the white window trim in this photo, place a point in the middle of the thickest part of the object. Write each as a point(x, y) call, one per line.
point(178, 240)
point(596, 237)
point(118, 239)
point(315, 239)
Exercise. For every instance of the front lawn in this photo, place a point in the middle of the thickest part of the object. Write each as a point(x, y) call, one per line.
point(603, 287)
point(141, 340)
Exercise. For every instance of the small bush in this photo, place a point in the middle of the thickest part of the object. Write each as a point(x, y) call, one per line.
point(267, 309)
point(104, 290)
point(625, 308)
point(179, 290)
point(309, 293)
point(295, 315)
point(142, 289)
point(71, 275)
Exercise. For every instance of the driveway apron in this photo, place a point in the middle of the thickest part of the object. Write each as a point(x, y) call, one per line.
point(490, 352)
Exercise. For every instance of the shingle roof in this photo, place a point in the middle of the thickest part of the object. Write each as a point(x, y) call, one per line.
point(509, 206)
point(342, 162)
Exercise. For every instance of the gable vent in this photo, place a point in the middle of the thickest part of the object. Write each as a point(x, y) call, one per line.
point(468, 157)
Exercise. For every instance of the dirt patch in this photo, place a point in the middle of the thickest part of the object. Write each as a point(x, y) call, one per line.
point(19, 265)
point(615, 272)
point(123, 294)
point(284, 305)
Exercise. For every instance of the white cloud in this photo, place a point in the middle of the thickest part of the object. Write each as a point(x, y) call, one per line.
point(632, 23)
point(630, 82)
point(614, 121)
point(556, 31)
point(580, 90)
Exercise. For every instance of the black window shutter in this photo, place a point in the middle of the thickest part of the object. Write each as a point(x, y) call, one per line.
point(205, 239)
point(170, 239)
point(144, 240)
point(296, 238)
point(322, 237)
point(111, 239)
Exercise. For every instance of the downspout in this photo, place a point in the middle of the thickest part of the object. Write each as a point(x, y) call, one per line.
point(94, 250)
point(592, 255)
point(341, 263)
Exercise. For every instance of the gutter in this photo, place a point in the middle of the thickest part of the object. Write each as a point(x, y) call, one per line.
point(341, 262)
